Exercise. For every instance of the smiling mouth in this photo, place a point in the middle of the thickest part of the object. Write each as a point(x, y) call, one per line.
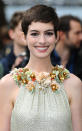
point(42, 48)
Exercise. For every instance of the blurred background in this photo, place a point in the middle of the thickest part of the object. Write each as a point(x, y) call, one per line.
point(73, 7)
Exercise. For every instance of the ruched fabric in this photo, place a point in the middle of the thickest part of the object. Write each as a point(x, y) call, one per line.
point(40, 111)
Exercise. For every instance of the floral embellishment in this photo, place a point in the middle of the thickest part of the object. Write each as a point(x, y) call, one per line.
point(54, 87)
point(33, 77)
point(30, 87)
point(59, 73)
point(31, 81)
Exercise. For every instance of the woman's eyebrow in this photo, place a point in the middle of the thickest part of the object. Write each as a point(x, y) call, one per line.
point(34, 31)
point(45, 30)
point(50, 30)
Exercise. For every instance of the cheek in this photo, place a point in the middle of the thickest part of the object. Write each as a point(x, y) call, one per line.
point(73, 36)
point(52, 40)
point(31, 41)
point(52, 43)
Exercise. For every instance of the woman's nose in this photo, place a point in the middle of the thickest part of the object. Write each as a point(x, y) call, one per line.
point(42, 39)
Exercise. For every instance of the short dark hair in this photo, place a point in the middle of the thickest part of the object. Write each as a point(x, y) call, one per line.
point(41, 13)
point(16, 18)
point(64, 22)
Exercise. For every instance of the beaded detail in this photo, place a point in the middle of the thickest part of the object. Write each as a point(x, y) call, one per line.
point(29, 79)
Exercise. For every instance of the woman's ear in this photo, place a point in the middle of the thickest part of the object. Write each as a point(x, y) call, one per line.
point(57, 38)
point(11, 34)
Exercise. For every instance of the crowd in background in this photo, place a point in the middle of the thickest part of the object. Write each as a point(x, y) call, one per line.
point(14, 52)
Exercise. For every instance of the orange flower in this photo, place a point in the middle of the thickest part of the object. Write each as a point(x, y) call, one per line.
point(54, 87)
point(19, 77)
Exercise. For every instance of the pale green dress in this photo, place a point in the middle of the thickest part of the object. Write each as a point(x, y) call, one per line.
point(41, 110)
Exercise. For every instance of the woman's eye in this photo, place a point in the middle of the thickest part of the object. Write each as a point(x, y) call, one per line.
point(49, 33)
point(34, 34)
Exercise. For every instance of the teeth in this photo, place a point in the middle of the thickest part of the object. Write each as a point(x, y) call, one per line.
point(41, 48)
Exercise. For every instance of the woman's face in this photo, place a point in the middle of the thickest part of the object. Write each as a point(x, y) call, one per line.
point(40, 39)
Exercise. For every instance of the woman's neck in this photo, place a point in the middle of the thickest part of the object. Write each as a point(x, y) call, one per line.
point(40, 64)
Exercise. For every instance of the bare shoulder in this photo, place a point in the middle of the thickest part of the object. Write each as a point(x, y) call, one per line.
point(73, 82)
point(6, 78)
point(7, 96)
point(7, 82)
point(7, 87)
point(73, 86)
point(75, 78)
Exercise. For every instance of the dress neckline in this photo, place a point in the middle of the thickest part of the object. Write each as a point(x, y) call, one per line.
point(30, 80)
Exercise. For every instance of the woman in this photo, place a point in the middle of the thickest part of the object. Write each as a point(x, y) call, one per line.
point(49, 98)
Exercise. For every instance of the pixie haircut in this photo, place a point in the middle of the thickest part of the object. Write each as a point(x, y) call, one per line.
point(16, 18)
point(40, 13)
